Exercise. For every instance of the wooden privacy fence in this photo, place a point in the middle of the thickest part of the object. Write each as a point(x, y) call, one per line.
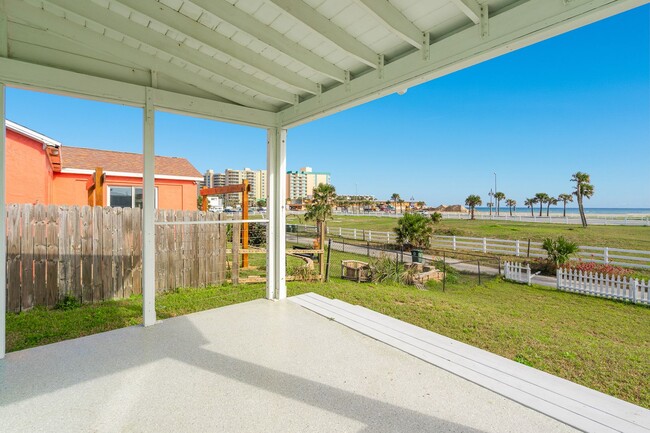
point(95, 253)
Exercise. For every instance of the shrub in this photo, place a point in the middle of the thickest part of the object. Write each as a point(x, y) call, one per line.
point(257, 235)
point(451, 273)
point(68, 302)
point(559, 250)
point(599, 268)
point(414, 230)
point(385, 269)
point(436, 217)
point(303, 272)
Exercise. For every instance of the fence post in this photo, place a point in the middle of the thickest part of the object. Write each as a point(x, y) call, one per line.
point(453, 242)
point(558, 274)
point(635, 287)
point(369, 235)
point(354, 234)
point(340, 232)
point(528, 274)
point(517, 247)
point(606, 255)
point(479, 272)
point(327, 266)
point(484, 245)
point(368, 248)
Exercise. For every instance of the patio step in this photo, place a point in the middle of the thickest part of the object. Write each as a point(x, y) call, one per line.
point(573, 404)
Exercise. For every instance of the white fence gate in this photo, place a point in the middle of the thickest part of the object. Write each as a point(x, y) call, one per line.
point(517, 272)
point(607, 286)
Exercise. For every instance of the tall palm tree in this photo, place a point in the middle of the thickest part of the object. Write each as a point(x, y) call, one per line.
point(565, 198)
point(472, 201)
point(498, 196)
point(541, 198)
point(395, 197)
point(550, 201)
point(511, 203)
point(583, 189)
point(530, 202)
point(319, 210)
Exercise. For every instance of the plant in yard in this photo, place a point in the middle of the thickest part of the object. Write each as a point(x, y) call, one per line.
point(512, 204)
point(550, 201)
point(261, 202)
point(319, 210)
point(564, 198)
point(598, 268)
point(67, 302)
point(530, 202)
point(541, 198)
point(385, 269)
point(303, 273)
point(583, 189)
point(559, 250)
point(472, 201)
point(498, 196)
point(414, 230)
point(257, 235)
point(436, 217)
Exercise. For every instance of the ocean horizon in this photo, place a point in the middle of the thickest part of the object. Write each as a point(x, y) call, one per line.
point(520, 210)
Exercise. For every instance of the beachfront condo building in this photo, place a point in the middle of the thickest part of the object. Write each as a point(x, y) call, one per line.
point(301, 183)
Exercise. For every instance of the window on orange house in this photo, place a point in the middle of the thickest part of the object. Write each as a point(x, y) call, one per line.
point(127, 196)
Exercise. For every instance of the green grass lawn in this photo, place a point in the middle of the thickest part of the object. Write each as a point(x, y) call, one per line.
point(598, 343)
point(627, 237)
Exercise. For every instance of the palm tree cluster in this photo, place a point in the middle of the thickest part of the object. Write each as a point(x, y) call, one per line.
point(583, 189)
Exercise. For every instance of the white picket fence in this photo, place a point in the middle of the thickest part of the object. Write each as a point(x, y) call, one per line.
point(606, 286)
point(517, 272)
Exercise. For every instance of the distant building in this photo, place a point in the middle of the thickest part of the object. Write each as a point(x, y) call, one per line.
point(256, 179)
point(301, 183)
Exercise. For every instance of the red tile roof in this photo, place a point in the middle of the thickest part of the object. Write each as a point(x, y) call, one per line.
point(108, 160)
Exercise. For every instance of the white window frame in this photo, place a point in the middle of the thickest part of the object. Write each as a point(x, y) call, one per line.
point(133, 187)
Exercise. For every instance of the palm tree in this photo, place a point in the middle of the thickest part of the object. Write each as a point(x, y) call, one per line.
point(530, 202)
point(583, 189)
point(541, 198)
point(511, 203)
point(550, 201)
point(472, 201)
point(565, 198)
point(498, 197)
point(395, 197)
point(320, 208)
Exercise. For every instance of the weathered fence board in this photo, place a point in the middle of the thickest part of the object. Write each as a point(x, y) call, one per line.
point(234, 270)
point(95, 253)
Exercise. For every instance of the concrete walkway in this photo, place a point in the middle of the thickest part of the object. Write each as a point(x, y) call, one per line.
point(260, 366)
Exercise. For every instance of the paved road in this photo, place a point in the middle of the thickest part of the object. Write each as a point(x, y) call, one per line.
point(406, 257)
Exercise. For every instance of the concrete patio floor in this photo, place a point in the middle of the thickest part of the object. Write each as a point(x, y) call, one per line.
point(259, 366)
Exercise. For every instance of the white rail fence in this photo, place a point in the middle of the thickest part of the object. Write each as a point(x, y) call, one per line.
point(508, 247)
point(606, 286)
point(517, 272)
point(601, 220)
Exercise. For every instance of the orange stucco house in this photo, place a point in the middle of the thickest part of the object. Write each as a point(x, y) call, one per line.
point(42, 170)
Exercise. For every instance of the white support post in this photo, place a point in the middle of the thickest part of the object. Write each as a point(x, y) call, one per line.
point(276, 286)
point(3, 226)
point(148, 215)
point(606, 255)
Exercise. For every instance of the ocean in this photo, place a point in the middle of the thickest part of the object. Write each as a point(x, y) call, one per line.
point(557, 210)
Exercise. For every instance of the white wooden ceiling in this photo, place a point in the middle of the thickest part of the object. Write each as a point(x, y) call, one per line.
point(297, 60)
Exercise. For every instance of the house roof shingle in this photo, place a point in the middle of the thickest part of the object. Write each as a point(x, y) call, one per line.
point(108, 160)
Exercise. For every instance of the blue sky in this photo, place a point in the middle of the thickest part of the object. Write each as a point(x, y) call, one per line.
point(580, 101)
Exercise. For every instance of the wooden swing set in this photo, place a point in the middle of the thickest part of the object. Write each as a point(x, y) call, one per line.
point(244, 188)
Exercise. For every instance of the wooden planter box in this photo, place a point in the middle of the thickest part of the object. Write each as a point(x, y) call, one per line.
point(355, 270)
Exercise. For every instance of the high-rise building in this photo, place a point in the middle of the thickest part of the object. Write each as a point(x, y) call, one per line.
point(301, 183)
point(256, 179)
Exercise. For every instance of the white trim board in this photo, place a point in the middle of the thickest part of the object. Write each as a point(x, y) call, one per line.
point(568, 402)
point(129, 174)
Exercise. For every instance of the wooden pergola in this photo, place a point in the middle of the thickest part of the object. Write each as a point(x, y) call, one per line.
point(271, 64)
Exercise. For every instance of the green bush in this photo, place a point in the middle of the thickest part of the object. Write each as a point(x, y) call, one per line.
point(68, 302)
point(436, 217)
point(559, 250)
point(414, 230)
